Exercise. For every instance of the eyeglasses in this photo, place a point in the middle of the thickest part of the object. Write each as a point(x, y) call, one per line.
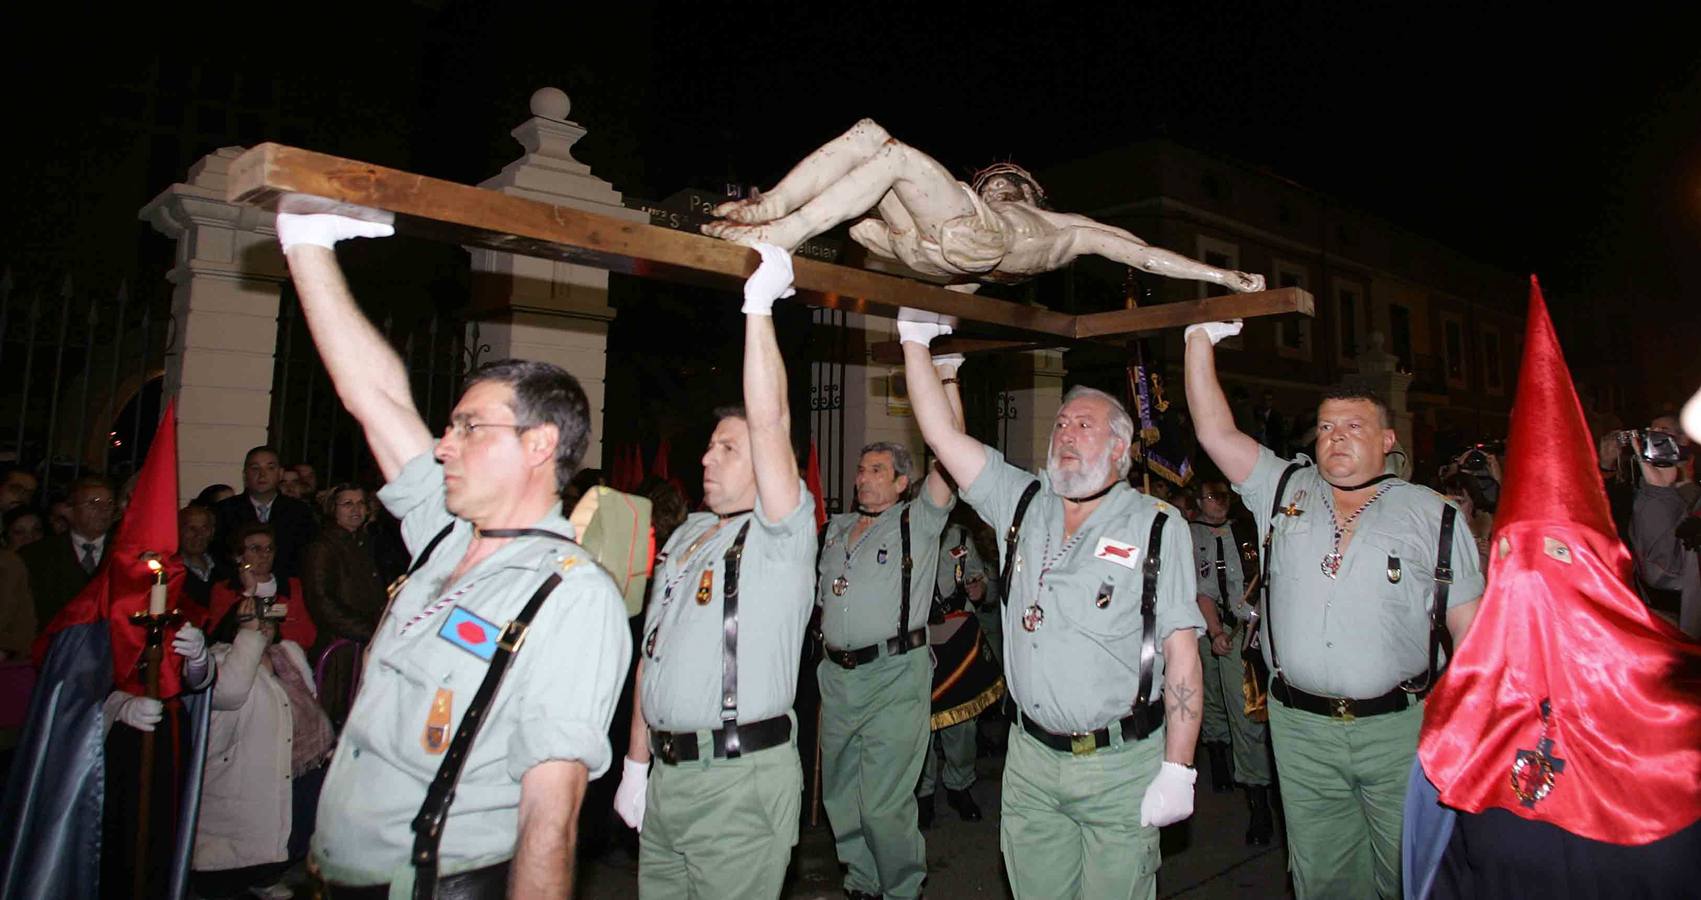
point(463, 430)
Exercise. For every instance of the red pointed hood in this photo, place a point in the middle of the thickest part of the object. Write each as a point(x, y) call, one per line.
point(1560, 627)
point(121, 585)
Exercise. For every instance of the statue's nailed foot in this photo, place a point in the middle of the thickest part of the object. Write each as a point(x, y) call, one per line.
point(1245, 282)
point(752, 210)
point(776, 233)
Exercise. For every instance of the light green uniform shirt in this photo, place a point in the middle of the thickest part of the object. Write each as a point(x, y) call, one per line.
point(555, 702)
point(683, 645)
point(1206, 540)
point(1363, 632)
point(957, 548)
point(867, 613)
point(1079, 670)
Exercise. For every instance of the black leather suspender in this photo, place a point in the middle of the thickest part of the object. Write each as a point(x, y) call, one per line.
point(1149, 620)
point(1010, 541)
point(729, 637)
point(1264, 577)
point(1440, 639)
point(428, 824)
point(904, 592)
point(1225, 606)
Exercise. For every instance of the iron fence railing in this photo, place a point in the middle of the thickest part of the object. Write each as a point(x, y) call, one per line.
point(81, 376)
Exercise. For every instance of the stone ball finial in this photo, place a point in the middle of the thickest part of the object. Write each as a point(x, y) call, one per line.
point(550, 103)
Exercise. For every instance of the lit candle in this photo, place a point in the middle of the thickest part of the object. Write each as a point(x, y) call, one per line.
point(156, 593)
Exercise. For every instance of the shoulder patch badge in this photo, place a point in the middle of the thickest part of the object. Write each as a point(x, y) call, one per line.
point(471, 633)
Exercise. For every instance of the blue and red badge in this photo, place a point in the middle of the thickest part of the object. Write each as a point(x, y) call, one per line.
point(470, 633)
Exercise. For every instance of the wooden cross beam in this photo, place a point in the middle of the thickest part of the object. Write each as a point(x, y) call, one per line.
point(289, 179)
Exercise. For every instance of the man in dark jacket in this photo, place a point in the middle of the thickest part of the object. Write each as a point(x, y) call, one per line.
point(260, 501)
point(60, 565)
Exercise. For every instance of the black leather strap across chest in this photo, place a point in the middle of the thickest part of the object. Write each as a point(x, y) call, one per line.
point(729, 640)
point(434, 812)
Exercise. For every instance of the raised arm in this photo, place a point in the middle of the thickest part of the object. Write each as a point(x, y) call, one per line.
point(1234, 452)
point(940, 420)
point(765, 407)
point(365, 370)
point(938, 488)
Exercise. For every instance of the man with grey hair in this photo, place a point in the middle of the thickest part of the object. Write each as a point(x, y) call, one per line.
point(874, 586)
point(1101, 649)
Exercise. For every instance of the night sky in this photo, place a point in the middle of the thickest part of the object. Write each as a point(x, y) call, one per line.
point(1533, 141)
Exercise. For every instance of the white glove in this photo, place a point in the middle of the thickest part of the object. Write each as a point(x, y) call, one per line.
point(325, 229)
point(1169, 798)
point(629, 797)
point(771, 281)
point(140, 713)
point(1216, 331)
point(950, 362)
point(916, 326)
point(190, 644)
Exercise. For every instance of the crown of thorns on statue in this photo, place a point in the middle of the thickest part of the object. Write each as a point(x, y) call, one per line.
point(1020, 176)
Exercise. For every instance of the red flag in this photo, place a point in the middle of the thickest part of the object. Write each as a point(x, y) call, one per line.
point(812, 480)
point(1569, 701)
point(121, 585)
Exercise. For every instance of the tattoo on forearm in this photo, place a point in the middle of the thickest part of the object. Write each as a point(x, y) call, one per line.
point(1178, 700)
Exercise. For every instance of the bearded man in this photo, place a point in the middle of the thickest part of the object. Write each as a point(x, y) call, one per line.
point(1102, 627)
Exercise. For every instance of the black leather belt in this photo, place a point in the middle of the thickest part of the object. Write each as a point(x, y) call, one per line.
point(675, 747)
point(850, 659)
point(1135, 727)
point(488, 883)
point(1343, 708)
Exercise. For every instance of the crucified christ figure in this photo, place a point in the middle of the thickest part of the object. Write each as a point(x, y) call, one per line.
point(998, 230)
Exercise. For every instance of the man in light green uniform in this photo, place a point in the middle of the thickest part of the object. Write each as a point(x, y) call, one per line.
point(481, 512)
point(962, 582)
point(876, 679)
point(717, 815)
point(1353, 581)
point(1222, 584)
point(1094, 768)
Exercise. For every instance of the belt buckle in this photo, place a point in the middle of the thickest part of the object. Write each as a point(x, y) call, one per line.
point(1343, 709)
point(512, 637)
point(847, 659)
point(1082, 744)
point(667, 753)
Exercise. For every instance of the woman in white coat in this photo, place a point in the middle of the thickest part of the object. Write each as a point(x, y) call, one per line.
point(266, 754)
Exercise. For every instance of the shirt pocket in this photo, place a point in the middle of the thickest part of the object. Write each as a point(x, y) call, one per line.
point(1396, 567)
point(1102, 599)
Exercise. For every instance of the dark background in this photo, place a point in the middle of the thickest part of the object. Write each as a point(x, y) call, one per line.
point(1530, 139)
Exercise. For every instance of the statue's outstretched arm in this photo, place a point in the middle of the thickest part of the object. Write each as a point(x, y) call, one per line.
point(1087, 236)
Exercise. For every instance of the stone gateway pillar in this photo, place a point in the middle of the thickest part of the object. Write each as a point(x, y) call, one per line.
point(227, 281)
point(542, 309)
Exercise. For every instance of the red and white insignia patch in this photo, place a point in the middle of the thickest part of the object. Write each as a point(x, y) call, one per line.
point(1125, 555)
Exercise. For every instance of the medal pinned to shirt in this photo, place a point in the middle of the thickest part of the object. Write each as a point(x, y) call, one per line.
point(840, 585)
point(436, 737)
point(471, 633)
point(705, 587)
point(881, 556)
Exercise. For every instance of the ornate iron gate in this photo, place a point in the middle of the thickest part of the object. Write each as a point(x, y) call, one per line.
point(80, 392)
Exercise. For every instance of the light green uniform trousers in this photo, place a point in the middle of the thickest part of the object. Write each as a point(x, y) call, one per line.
point(874, 734)
point(1344, 792)
point(958, 744)
point(719, 828)
point(1070, 826)
point(1225, 711)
